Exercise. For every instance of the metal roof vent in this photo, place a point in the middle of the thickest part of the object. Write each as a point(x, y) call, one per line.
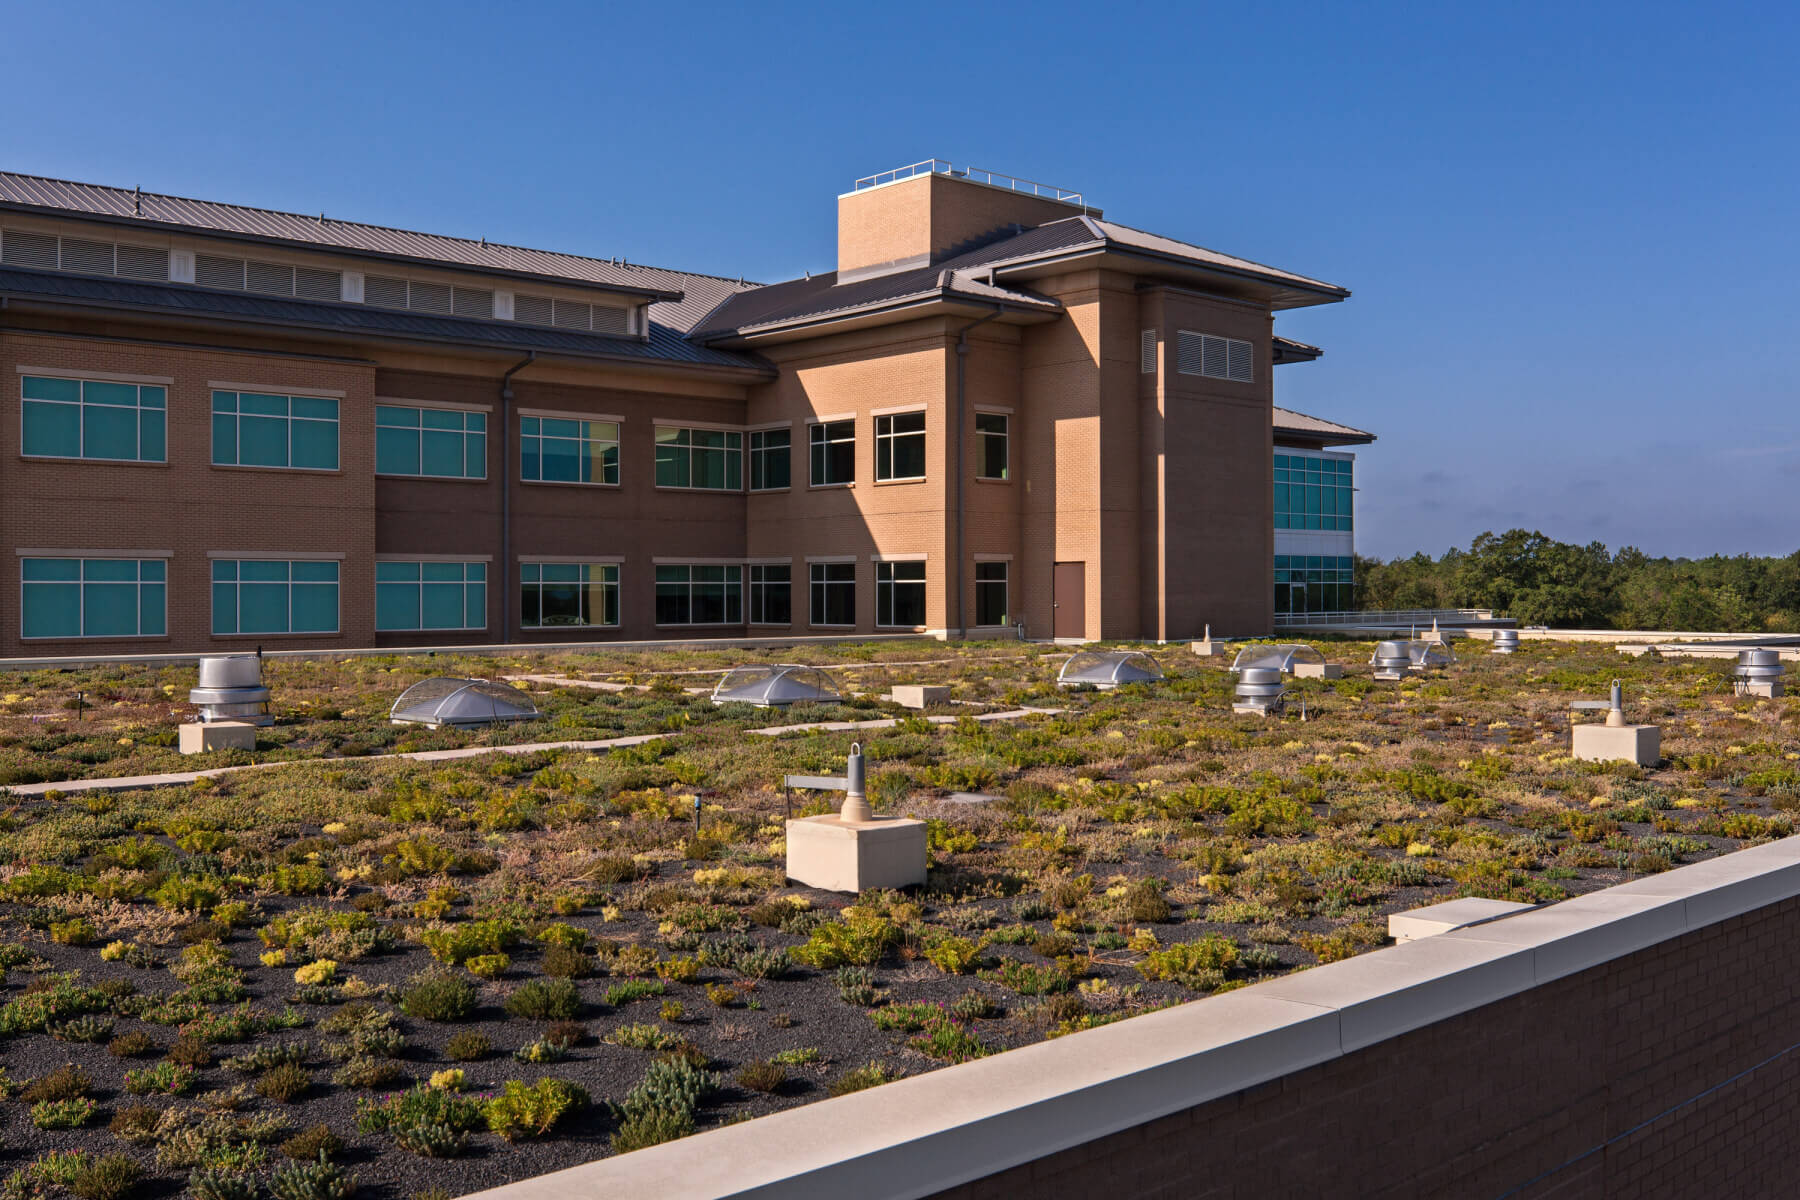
point(1260, 691)
point(1758, 673)
point(446, 700)
point(776, 685)
point(1506, 641)
point(1108, 669)
point(231, 689)
point(1391, 660)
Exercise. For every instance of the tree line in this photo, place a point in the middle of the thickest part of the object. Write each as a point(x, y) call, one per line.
point(1540, 581)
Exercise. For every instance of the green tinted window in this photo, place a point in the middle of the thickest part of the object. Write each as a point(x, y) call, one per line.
point(430, 595)
point(93, 597)
point(253, 429)
point(254, 595)
point(430, 442)
point(76, 418)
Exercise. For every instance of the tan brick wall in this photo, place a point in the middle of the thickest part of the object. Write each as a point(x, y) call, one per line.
point(930, 216)
point(1219, 518)
point(188, 506)
point(856, 376)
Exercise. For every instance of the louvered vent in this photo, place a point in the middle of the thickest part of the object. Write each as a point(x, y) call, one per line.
point(47, 252)
point(310, 283)
point(87, 258)
point(1214, 357)
point(609, 319)
point(37, 250)
point(212, 271)
point(571, 314)
point(1147, 352)
point(532, 310)
point(473, 302)
point(384, 291)
point(429, 297)
point(1239, 359)
point(143, 262)
point(273, 278)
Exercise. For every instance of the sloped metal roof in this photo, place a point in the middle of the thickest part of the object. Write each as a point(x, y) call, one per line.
point(1289, 421)
point(665, 344)
point(976, 274)
point(153, 209)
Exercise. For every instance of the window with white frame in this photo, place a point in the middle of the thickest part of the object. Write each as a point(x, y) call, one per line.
point(568, 594)
point(699, 458)
point(699, 595)
point(771, 594)
point(833, 593)
point(92, 418)
point(260, 595)
point(992, 432)
point(900, 594)
point(990, 593)
point(255, 429)
point(833, 453)
point(438, 443)
point(93, 597)
point(419, 596)
point(900, 446)
point(770, 451)
point(566, 450)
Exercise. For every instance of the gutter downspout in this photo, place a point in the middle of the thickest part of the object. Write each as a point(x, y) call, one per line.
point(962, 482)
point(506, 474)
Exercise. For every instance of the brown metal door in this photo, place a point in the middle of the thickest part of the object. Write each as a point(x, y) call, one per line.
point(1069, 600)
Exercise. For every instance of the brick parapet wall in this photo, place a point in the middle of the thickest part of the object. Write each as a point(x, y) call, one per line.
point(1668, 1072)
point(1639, 1041)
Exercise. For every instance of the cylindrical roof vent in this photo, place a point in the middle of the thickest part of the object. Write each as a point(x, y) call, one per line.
point(231, 689)
point(1505, 641)
point(1758, 666)
point(1392, 657)
point(1261, 690)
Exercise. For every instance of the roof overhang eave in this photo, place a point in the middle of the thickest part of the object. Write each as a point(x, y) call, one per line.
point(1312, 438)
point(905, 307)
point(1280, 293)
point(212, 320)
point(36, 210)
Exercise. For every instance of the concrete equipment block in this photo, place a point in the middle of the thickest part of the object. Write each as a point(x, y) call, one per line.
point(198, 737)
point(1442, 918)
point(920, 695)
point(1305, 670)
point(1208, 647)
point(1640, 744)
point(836, 855)
point(1772, 689)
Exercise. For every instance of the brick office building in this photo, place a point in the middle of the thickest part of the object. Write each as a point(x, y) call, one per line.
point(237, 425)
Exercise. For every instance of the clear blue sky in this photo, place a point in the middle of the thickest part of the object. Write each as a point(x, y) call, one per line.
point(1571, 229)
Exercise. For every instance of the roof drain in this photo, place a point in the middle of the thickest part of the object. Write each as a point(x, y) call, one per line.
point(962, 483)
point(506, 563)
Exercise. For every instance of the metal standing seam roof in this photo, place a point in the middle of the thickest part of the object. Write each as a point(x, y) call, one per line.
point(663, 345)
point(153, 209)
point(974, 274)
point(1289, 421)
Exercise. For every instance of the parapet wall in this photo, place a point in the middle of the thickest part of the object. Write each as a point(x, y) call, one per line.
point(1639, 1041)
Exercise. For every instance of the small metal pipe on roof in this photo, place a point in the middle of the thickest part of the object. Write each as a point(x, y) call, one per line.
point(962, 442)
point(506, 589)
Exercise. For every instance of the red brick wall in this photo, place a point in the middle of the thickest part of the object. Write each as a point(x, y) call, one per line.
point(1671, 1072)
